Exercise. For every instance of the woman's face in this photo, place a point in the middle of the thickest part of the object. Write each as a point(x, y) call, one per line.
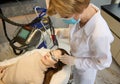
point(51, 58)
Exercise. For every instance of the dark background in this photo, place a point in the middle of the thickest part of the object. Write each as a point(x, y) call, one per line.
point(8, 1)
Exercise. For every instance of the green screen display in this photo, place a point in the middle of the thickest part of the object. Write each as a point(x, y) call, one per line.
point(23, 33)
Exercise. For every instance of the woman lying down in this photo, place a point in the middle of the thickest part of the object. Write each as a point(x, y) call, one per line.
point(33, 67)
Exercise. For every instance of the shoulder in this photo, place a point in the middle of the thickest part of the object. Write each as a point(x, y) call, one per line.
point(101, 28)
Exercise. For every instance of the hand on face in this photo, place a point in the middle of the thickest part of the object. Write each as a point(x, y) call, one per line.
point(69, 60)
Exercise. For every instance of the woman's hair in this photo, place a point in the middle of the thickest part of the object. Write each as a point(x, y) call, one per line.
point(67, 7)
point(51, 71)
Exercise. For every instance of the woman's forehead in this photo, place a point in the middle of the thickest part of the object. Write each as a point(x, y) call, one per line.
point(56, 53)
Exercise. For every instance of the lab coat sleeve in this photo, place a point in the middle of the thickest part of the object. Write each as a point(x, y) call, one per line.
point(100, 59)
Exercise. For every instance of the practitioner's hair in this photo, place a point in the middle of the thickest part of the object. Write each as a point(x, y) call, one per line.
point(67, 7)
point(51, 71)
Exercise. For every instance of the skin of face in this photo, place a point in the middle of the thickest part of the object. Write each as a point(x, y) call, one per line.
point(76, 16)
point(48, 61)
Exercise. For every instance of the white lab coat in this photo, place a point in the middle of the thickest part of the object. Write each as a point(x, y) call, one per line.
point(91, 45)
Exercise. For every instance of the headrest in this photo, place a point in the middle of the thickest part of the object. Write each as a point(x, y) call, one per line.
point(61, 77)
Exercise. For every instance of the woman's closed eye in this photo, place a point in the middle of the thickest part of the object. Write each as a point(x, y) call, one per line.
point(53, 57)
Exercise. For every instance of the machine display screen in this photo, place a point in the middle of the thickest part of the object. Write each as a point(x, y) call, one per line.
point(23, 33)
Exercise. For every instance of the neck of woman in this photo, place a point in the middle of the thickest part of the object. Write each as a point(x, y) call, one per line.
point(87, 14)
point(44, 66)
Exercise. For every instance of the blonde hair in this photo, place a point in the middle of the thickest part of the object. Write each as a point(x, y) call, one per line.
point(67, 7)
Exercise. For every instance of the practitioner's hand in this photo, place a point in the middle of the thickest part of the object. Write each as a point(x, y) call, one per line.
point(69, 60)
point(58, 32)
point(62, 33)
